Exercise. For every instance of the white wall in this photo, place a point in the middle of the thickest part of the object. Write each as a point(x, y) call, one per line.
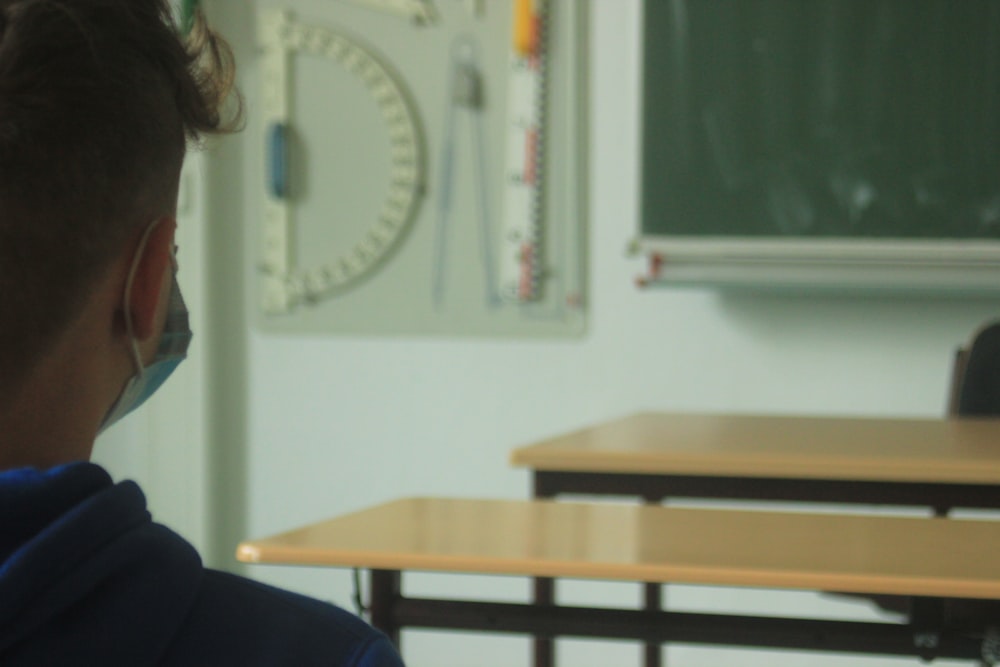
point(338, 423)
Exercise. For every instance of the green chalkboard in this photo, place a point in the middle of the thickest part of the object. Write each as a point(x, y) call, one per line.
point(821, 119)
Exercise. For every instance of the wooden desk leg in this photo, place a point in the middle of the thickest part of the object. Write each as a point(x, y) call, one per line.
point(386, 590)
point(545, 649)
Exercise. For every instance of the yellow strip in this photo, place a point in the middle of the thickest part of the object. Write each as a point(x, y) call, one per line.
point(524, 27)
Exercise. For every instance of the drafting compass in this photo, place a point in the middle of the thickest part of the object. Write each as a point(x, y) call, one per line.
point(466, 96)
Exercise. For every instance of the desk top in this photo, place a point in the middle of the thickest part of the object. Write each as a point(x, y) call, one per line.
point(830, 552)
point(964, 451)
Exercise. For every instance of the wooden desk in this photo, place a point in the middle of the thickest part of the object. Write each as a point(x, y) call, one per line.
point(927, 462)
point(932, 558)
point(933, 463)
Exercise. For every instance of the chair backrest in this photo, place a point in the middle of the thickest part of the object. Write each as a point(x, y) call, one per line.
point(957, 374)
point(976, 375)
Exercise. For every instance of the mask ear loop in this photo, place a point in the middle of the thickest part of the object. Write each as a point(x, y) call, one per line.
point(129, 279)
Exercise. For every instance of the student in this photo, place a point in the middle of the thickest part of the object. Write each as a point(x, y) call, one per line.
point(97, 101)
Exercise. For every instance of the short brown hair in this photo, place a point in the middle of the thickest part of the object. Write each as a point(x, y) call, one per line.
point(97, 98)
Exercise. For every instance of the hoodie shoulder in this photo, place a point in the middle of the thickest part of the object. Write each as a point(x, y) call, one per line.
point(240, 621)
point(86, 577)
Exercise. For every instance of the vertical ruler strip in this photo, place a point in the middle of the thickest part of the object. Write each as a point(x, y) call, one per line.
point(521, 258)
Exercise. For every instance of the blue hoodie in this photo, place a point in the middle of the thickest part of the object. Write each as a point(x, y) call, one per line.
point(87, 578)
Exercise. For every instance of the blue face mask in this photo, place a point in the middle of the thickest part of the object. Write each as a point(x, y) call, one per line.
point(170, 352)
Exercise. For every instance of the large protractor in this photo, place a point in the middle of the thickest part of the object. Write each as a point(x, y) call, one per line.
point(297, 272)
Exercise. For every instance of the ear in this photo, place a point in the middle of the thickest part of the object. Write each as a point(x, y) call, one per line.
point(150, 284)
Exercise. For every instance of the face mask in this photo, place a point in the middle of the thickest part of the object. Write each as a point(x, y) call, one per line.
point(170, 352)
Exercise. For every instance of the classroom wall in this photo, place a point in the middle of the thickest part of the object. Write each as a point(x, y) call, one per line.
point(335, 423)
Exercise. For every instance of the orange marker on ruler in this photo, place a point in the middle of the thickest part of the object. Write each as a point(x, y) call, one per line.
point(524, 28)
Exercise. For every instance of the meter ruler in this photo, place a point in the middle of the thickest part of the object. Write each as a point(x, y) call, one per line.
point(521, 257)
point(287, 285)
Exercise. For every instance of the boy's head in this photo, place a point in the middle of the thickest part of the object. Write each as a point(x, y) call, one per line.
point(97, 101)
